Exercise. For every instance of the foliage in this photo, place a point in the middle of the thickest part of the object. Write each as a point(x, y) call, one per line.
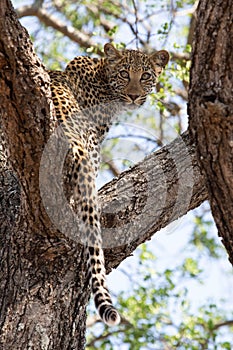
point(159, 313)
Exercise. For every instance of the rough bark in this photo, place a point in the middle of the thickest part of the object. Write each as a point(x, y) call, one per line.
point(44, 289)
point(41, 274)
point(211, 109)
point(162, 188)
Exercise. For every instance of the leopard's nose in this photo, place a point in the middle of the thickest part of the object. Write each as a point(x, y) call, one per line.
point(133, 97)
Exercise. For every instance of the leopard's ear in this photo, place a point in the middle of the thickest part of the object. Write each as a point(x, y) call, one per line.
point(111, 53)
point(159, 60)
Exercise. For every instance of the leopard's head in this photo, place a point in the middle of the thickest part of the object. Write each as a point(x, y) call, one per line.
point(133, 74)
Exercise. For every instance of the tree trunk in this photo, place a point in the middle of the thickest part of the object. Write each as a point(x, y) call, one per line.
point(42, 275)
point(44, 289)
point(211, 109)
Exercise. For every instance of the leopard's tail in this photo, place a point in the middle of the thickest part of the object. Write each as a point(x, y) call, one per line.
point(102, 299)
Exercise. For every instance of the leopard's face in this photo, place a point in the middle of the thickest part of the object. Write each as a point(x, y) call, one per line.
point(133, 74)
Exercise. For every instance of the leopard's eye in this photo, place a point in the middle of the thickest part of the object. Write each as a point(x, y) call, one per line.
point(124, 74)
point(145, 76)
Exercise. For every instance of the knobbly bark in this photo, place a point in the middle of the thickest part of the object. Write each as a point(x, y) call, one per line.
point(44, 288)
point(42, 275)
point(211, 109)
point(150, 196)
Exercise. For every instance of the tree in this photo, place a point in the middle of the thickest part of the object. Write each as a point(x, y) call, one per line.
point(210, 110)
point(44, 288)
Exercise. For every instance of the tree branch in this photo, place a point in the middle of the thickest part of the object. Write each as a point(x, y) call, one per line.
point(227, 323)
point(150, 196)
point(84, 40)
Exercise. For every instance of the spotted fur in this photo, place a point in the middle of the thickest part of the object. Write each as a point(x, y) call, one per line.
point(88, 96)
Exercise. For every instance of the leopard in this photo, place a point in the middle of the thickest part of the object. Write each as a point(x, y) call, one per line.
point(88, 96)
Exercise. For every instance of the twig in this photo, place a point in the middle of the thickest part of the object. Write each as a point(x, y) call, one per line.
point(136, 21)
